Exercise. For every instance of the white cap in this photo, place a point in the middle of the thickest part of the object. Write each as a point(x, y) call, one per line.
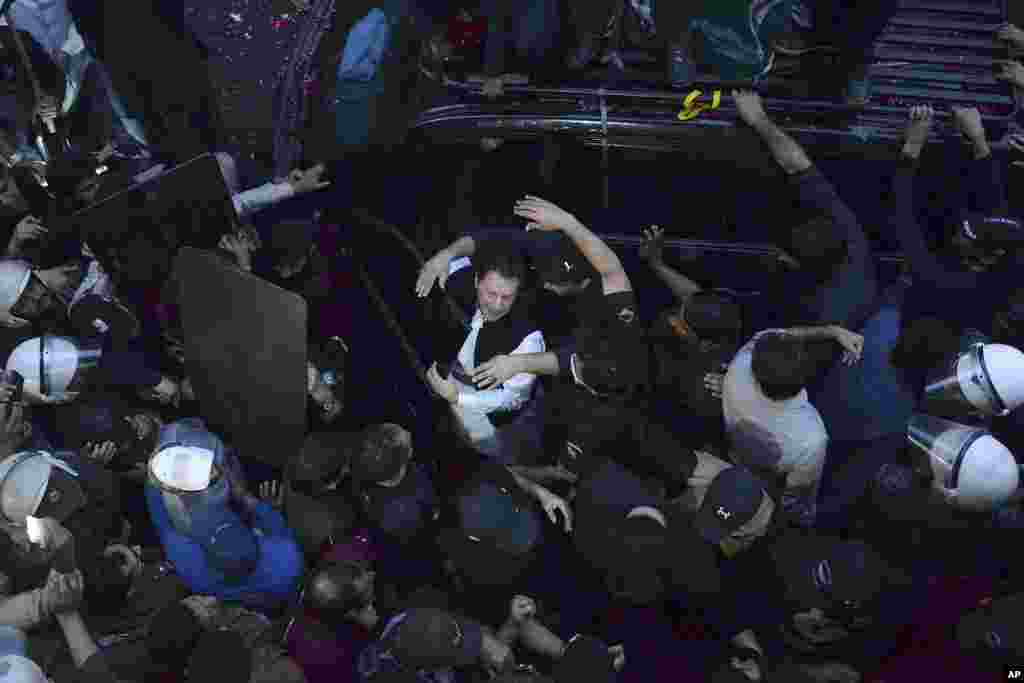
point(988, 475)
point(184, 468)
point(60, 363)
point(1005, 366)
point(18, 669)
point(23, 480)
point(14, 275)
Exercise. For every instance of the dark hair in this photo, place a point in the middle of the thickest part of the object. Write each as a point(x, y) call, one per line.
point(332, 591)
point(506, 263)
point(106, 588)
point(818, 246)
point(923, 344)
point(714, 316)
point(381, 454)
point(780, 365)
point(172, 636)
point(324, 456)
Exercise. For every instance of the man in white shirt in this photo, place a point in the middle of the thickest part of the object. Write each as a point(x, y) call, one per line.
point(502, 422)
point(772, 427)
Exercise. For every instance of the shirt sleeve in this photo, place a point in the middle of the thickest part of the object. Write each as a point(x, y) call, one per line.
point(262, 197)
point(513, 393)
point(803, 483)
point(185, 554)
point(814, 190)
point(903, 224)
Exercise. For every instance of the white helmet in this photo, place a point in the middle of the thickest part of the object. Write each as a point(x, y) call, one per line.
point(987, 475)
point(55, 371)
point(1005, 366)
point(24, 478)
point(985, 379)
point(969, 466)
point(14, 276)
point(182, 469)
point(19, 669)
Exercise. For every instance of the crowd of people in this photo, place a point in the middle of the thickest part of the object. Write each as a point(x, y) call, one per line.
point(767, 487)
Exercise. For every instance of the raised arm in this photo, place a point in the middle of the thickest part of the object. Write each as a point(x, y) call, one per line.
point(787, 152)
point(901, 220)
point(543, 215)
point(681, 286)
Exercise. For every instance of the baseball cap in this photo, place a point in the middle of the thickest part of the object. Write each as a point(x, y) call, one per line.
point(229, 545)
point(585, 659)
point(732, 500)
point(635, 555)
point(323, 457)
point(18, 669)
point(557, 260)
point(491, 514)
point(430, 638)
point(826, 572)
point(37, 484)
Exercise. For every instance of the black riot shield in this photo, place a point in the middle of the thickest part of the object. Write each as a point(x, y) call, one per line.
point(245, 351)
point(136, 232)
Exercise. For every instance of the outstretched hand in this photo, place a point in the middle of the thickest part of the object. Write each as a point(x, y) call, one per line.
point(543, 215)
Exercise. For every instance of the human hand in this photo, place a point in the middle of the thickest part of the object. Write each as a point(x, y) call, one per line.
point(272, 492)
point(916, 134)
point(1016, 143)
point(436, 269)
point(103, 155)
point(494, 87)
point(852, 343)
point(309, 180)
point(713, 382)
point(968, 122)
point(618, 653)
point(166, 393)
point(238, 246)
point(46, 110)
point(1011, 34)
point(62, 592)
point(522, 609)
point(543, 215)
point(446, 389)
point(749, 106)
point(494, 372)
point(1011, 71)
point(654, 243)
point(748, 667)
point(28, 228)
point(553, 504)
point(100, 453)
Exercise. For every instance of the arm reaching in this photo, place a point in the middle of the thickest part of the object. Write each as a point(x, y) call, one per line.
point(437, 268)
point(543, 215)
point(681, 286)
point(787, 152)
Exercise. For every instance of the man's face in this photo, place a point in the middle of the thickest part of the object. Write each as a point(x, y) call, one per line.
point(496, 295)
